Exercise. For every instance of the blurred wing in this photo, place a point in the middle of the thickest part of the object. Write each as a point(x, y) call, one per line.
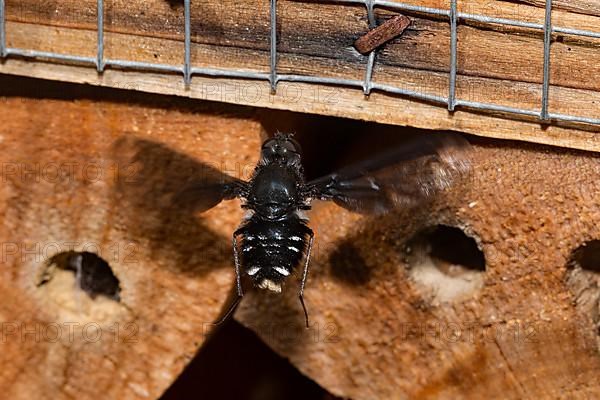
point(401, 177)
point(202, 195)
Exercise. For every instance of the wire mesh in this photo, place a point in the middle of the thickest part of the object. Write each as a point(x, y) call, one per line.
point(100, 45)
point(2, 30)
point(453, 56)
point(367, 85)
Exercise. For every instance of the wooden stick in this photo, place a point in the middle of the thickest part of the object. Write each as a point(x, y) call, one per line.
point(385, 32)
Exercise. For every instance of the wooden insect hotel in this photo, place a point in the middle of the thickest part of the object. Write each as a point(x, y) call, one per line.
point(108, 108)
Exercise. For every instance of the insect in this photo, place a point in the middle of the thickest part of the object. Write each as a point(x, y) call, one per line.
point(274, 238)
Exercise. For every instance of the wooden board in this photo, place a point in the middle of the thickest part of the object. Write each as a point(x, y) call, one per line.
point(496, 64)
point(391, 319)
point(96, 175)
point(528, 330)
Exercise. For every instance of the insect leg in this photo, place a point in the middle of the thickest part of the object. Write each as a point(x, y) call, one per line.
point(305, 274)
point(236, 259)
point(238, 280)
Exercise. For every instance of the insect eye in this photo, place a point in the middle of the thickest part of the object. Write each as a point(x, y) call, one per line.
point(281, 145)
point(291, 145)
point(270, 144)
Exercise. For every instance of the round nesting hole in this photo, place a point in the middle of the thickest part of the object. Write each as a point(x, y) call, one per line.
point(73, 272)
point(587, 257)
point(92, 274)
point(445, 264)
point(80, 286)
point(583, 279)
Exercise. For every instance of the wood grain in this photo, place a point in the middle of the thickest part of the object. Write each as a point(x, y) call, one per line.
point(377, 332)
point(374, 333)
point(588, 7)
point(92, 174)
point(496, 64)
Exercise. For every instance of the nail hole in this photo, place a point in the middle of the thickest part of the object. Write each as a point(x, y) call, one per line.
point(445, 264)
point(92, 274)
point(583, 279)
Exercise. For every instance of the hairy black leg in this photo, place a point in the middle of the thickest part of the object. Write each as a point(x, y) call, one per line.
point(238, 279)
point(305, 274)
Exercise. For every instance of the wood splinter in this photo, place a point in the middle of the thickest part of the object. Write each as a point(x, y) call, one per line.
point(385, 32)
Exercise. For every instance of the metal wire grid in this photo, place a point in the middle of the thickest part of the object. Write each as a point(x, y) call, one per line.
point(451, 102)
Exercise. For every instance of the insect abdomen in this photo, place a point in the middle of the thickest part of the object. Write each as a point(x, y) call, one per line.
point(271, 250)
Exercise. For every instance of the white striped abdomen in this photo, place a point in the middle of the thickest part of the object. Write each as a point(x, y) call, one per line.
point(271, 250)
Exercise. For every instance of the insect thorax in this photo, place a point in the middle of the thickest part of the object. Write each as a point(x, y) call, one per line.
point(276, 191)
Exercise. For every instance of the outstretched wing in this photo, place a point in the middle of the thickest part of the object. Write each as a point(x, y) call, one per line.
point(400, 177)
point(209, 190)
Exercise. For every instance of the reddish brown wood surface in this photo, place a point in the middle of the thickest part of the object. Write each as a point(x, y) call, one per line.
point(96, 173)
point(525, 328)
point(388, 323)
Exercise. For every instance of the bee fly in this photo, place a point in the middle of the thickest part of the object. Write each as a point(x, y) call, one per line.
point(275, 237)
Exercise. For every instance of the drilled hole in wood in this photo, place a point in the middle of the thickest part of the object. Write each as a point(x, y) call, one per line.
point(92, 274)
point(587, 257)
point(445, 264)
point(583, 279)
